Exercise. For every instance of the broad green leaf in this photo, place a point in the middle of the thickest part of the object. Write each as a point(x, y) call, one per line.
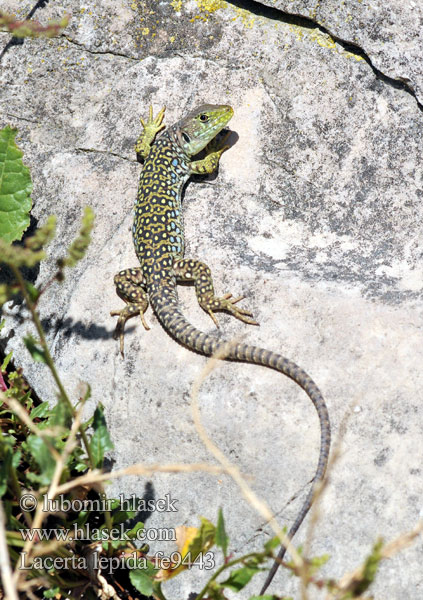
point(42, 455)
point(239, 578)
point(100, 440)
point(60, 416)
point(142, 579)
point(221, 535)
point(15, 188)
point(120, 516)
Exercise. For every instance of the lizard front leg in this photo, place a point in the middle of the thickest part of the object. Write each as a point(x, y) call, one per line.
point(150, 130)
point(188, 270)
point(210, 163)
point(129, 286)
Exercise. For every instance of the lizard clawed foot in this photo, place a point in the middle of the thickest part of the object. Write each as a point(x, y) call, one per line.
point(226, 303)
point(151, 128)
point(130, 310)
point(154, 123)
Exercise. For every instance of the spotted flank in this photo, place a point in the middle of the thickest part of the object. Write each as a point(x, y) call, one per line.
point(158, 236)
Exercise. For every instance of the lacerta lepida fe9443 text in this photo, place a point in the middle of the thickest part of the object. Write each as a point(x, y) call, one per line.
point(159, 244)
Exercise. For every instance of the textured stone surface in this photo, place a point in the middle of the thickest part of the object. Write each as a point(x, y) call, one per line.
point(388, 32)
point(315, 216)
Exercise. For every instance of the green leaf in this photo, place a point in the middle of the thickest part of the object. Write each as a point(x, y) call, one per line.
point(221, 535)
point(133, 532)
point(34, 349)
point(100, 440)
point(33, 292)
point(120, 516)
point(42, 455)
point(369, 570)
point(6, 360)
point(60, 416)
point(142, 579)
point(239, 578)
point(318, 561)
point(267, 597)
point(203, 540)
point(40, 411)
point(273, 543)
point(51, 593)
point(5, 467)
point(17, 455)
point(15, 188)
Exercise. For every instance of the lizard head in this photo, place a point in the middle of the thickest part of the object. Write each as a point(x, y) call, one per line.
point(201, 125)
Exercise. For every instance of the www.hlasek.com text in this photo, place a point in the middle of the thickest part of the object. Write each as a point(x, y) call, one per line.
point(95, 534)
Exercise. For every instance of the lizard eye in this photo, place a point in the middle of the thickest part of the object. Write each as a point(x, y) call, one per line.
point(186, 138)
point(204, 118)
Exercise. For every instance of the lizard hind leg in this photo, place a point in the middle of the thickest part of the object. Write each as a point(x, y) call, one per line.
point(188, 270)
point(129, 287)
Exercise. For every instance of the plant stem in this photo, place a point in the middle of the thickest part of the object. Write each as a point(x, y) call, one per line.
point(227, 566)
point(52, 367)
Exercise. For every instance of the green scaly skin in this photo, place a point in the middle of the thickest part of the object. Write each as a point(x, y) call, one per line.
point(159, 244)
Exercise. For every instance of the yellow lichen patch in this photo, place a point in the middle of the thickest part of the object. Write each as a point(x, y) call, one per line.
point(176, 4)
point(298, 32)
point(352, 55)
point(207, 7)
point(246, 17)
point(323, 39)
point(210, 5)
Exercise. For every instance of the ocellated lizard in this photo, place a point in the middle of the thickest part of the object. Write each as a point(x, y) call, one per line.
point(159, 244)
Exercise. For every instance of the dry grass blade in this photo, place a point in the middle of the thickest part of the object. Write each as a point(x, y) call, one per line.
point(97, 476)
point(5, 568)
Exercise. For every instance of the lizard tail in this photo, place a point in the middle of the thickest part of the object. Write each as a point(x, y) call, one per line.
point(175, 323)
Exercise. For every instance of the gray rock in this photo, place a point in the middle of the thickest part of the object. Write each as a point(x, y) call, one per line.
point(389, 33)
point(315, 216)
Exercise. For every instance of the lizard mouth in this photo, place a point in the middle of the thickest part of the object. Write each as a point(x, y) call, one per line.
point(202, 125)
